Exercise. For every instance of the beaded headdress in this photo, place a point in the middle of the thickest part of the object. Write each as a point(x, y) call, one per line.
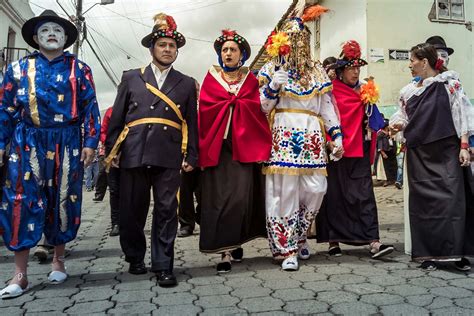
point(165, 26)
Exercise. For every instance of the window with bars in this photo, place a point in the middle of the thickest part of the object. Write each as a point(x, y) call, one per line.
point(450, 10)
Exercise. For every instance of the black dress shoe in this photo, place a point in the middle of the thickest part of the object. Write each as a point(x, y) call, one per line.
point(166, 279)
point(237, 254)
point(98, 198)
point(115, 231)
point(185, 232)
point(137, 268)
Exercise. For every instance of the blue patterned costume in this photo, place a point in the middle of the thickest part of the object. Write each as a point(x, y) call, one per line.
point(49, 112)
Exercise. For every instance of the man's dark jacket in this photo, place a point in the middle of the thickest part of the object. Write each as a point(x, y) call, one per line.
point(155, 145)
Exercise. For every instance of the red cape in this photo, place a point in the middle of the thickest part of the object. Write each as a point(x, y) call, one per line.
point(251, 136)
point(352, 113)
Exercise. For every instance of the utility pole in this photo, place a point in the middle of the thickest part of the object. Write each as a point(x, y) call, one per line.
point(79, 21)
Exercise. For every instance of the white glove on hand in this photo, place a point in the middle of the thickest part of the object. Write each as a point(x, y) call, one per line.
point(279, 78)
point(337, 151)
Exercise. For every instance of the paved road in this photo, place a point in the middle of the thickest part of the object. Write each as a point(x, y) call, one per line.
point(352, 284)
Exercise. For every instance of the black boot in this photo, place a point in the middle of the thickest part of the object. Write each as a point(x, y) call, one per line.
point(115, 231)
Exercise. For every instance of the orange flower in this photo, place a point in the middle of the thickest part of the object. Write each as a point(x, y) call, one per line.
point(369, 93)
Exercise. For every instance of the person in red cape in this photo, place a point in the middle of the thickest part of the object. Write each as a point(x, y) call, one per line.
point(349, 210)
point(234, 137)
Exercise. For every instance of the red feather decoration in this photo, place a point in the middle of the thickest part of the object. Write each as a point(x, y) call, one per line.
point(228, 33)
point(351, 50)
point(313, 12)
point(171, 23)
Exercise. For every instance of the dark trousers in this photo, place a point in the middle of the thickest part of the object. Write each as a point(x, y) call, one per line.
point(113, 180)
point(188, 214)
point(101, 184)
point(135, 185)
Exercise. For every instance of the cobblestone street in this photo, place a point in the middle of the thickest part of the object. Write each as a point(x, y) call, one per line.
point(352, 284)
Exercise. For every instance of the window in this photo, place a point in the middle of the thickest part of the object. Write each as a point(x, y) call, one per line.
point(451, 10)
point(10, 44)
point(316, 39)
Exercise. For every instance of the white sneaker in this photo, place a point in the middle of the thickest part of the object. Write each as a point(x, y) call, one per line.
point(290, 264)
point(303, 251)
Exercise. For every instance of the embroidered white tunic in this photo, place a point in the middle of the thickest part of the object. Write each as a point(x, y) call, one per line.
point(299, 138)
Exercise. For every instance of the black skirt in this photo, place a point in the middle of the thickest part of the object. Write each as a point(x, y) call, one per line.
point(232, 203)
point(349, 212)
point(439, 218)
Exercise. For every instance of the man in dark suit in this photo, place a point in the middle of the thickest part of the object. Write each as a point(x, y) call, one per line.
point(152, 135)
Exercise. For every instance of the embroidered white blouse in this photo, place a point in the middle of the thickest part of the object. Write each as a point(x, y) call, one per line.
point(300, 120)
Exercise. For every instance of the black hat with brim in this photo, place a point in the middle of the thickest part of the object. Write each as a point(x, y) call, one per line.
point(30, 27)
point(148, 40)
point(343, 63)
point(439, 43)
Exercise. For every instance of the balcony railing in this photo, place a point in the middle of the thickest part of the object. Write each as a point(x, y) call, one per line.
point(10, 54)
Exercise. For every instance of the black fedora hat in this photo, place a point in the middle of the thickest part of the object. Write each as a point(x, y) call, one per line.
point(439, 43)
point(30, 27)
point(165, 26)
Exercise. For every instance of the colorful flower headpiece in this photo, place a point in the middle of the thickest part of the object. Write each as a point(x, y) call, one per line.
point(369, 92)
point(350, 55)
point(278, 44)
point(232, 35)
point(164, 26)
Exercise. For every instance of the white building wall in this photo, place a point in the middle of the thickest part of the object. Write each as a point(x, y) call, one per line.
point(347, 20)
point(401, 24)
point(13, 13)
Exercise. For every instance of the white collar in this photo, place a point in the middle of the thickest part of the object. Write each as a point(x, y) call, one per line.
point(158, 72)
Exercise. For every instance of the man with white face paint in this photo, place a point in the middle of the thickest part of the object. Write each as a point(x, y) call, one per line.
point(443, 51)
point(50, 117)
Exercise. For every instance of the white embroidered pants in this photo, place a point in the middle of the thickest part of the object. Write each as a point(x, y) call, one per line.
point(291, 204)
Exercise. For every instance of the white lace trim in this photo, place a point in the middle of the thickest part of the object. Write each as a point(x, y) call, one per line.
point(462, 110)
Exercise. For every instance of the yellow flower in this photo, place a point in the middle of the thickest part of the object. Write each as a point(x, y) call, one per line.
point(275, 41)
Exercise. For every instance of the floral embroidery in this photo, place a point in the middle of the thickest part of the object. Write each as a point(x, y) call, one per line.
point(297, 148)
point(297, 143)
point(285, 233)
point(454, 86)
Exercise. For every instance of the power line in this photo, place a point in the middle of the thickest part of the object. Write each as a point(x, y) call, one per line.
point(187, 37)
point(37, 5)
point(101, 63)
point(112, 53)
point(112, 43)
point(106, 62)
point(131, 27)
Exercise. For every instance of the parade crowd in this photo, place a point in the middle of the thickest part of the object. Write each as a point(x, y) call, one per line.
point(284, 154)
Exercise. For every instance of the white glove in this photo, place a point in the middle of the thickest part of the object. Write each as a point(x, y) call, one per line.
point(2, 152)
point(279, 78)
point(337, 147)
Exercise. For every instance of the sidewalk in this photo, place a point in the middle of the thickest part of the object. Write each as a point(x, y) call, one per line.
point(352, 284)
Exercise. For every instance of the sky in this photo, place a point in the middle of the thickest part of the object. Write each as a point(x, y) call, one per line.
point(115, 30)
